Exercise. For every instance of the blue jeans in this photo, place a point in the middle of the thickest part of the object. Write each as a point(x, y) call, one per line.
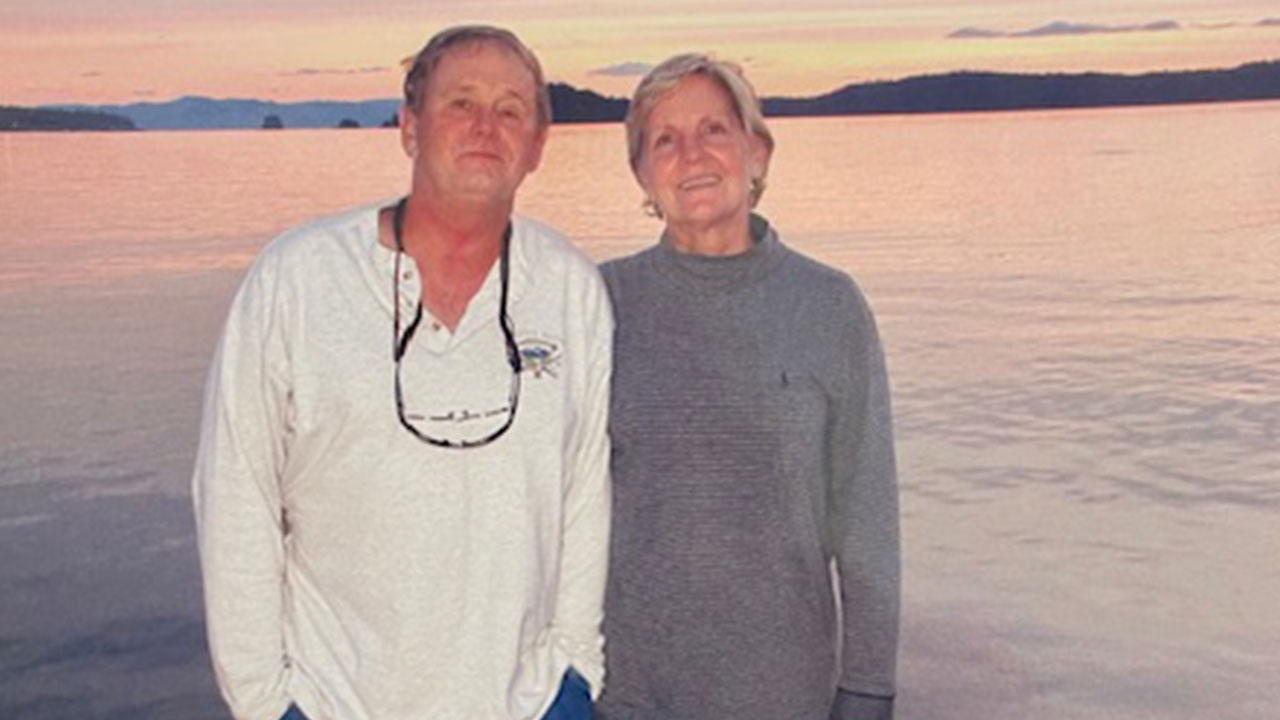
point(573, 702)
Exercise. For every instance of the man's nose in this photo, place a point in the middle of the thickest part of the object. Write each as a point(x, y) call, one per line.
point(483, 121)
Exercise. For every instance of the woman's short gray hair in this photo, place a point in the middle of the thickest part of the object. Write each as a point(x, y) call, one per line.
point(422, 66)
point(666, 76)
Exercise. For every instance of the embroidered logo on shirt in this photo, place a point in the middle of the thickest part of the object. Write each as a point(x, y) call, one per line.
point(539, 357)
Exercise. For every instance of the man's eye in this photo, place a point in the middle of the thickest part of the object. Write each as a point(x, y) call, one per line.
point(662, 141)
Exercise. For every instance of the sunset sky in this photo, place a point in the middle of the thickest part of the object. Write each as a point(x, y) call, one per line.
point(100, 51)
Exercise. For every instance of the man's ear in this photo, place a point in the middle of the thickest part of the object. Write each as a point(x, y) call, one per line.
point(539, 142)
point(409, 131)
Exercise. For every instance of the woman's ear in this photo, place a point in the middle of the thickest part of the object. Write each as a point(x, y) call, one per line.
point(758, 153)
point(650, 202)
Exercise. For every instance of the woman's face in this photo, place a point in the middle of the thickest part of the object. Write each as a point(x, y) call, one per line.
point(697, 161)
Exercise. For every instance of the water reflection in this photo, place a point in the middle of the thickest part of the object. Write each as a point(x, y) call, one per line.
point(1080, 315)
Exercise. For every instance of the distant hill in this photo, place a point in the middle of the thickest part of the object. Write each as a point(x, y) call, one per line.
point(568, 104)
point(951, 92)
point(571, 105)
point(202, 113)
point(16, 118)
point(962, 91)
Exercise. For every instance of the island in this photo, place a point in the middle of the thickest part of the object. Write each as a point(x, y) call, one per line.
point(46, 119)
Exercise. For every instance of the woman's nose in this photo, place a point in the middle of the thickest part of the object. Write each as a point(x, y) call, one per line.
point(691, 149)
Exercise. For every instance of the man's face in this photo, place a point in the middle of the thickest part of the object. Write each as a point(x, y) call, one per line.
point(475, 134)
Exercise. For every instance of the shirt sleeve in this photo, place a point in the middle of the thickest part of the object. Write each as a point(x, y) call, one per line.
point(864, 496)
point(236, 491)
point(585, 553)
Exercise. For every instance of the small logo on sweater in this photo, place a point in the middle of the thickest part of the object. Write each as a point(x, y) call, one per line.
point(539, 357)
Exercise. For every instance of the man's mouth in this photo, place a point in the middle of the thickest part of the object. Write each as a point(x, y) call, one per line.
point(480, 155)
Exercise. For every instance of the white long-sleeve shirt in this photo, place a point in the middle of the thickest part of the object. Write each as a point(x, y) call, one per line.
point(361, 573)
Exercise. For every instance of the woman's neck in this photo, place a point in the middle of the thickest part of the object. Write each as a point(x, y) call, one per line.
point(730, 238)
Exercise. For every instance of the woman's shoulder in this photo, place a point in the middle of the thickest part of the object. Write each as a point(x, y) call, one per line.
point(629, 262)
point(813, 277)
point(622, 269)
point(830, 297)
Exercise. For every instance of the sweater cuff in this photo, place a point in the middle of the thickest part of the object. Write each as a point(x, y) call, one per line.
point(850, 705)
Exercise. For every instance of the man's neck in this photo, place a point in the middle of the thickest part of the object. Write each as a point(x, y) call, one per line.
point(454, 246)
point(440, 229)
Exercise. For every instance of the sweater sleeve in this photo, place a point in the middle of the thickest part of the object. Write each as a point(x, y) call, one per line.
point(584, 555)
point(855, 706)
point(864, 499)
point(236, 490)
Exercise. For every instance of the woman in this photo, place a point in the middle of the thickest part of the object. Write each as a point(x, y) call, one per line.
point(752, 446)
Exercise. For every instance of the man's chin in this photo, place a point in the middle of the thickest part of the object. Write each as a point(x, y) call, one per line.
point(485, 191)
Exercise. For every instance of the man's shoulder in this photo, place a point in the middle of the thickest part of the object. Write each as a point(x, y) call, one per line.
point(328, 245)
point(543, 245)
point(325, 229)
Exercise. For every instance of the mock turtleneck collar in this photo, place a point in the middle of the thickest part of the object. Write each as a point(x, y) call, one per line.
point(721, 273)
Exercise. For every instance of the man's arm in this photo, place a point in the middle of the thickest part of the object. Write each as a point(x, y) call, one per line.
point(239, 516)
point(865, 513)
point(585, 552)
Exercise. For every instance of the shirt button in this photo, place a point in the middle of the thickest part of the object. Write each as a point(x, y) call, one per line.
point(406, 275)
point(435, 326)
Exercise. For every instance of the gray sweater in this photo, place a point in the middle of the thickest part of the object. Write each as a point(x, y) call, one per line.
point(752, 446)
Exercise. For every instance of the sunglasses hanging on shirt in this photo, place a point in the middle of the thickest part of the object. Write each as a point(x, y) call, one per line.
point(400, 344)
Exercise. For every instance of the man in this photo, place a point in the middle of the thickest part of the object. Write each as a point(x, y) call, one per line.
point(402, 485)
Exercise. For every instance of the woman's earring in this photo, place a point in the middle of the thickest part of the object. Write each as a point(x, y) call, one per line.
point(651, 208)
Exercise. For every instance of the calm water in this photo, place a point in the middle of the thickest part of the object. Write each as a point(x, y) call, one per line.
point(1082, 316)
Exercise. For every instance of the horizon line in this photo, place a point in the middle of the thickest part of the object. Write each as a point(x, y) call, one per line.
point(941, 73)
